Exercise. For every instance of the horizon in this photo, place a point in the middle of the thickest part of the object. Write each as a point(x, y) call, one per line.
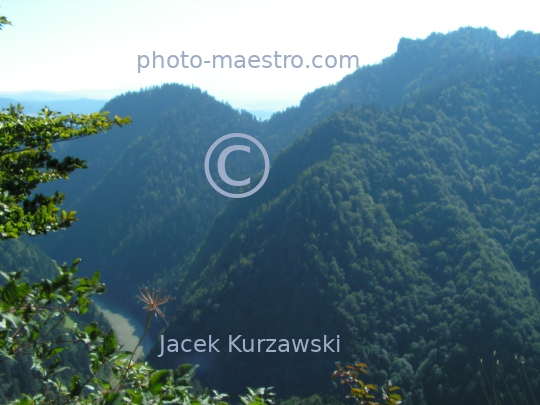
point(71, 67)
point(260, 111)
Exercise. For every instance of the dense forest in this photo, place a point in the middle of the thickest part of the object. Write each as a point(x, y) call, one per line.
point(150, 175)
point(401, 213)
point(409, 232)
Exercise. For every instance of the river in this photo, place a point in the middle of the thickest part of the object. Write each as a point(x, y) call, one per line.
point(128, 329)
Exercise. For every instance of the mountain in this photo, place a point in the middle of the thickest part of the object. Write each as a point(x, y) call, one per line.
point(154, 189)
point(17, 255)
point(416, 65)
point(145, 205)
point(407, 225)
point(412, 233)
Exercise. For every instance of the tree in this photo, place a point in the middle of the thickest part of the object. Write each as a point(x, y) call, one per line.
point(3, 21)
point(26, 161)
point(30, 315)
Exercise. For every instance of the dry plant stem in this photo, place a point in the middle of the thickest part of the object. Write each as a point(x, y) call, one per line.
point(521, 380)
point(48, 393)
point(506, 385)
point(484, 388)
point(153, 301)
point(491, 385)
point(529, 383)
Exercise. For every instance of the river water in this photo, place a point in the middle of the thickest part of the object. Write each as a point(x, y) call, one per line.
point(128, 329)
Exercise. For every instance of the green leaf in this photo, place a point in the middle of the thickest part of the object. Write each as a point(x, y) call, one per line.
point(113, 399)
point(57, 350)
point(95, 278)
point(93, 331)
point(109, 344)
point(15, 320)
point(75, 386)
point(25, 400)
point(183, 374)
point(157, 380)
point(61, 281)
point(14, 294)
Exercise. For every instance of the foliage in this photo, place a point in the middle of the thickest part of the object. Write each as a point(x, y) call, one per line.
point(4, 21)
point(258, 396)
point(364, 394)
point(30, 313)
point(17, 375)
point(26, 161)
point(38, 322)
point(19, 214)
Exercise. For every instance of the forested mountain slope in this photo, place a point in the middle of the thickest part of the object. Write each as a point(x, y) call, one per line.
point(154, 207)
point(15, 255)
point(146, 182)
point(412, 233)
point(103, 150)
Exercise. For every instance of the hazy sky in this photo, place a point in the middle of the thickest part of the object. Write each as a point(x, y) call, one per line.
point(93, 46)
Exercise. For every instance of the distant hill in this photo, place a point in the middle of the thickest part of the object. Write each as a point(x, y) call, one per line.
point(78, 106)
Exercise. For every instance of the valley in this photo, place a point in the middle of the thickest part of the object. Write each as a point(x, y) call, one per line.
point(400, 217)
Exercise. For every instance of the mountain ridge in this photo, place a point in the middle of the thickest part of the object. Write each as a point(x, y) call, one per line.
point(381, 235)
point(105, 151)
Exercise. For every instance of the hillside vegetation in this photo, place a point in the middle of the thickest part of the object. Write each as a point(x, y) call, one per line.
point(411, 233)
point(401, 213)
point(146, 182)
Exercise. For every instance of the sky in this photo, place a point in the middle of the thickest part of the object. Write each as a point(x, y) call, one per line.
point(93, 48)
